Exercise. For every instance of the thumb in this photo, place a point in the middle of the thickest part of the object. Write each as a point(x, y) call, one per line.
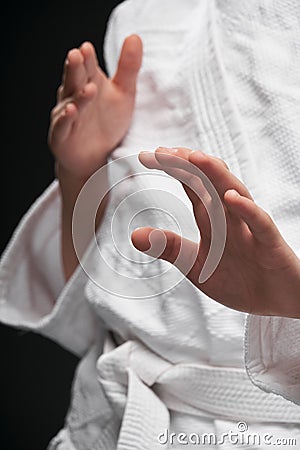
point(129, 63)
point(167, 245)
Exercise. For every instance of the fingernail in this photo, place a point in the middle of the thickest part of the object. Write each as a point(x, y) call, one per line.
point(168, 149)
point(234, 193)
point(197, 152)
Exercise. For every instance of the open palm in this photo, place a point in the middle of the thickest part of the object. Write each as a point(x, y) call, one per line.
point(93, 112)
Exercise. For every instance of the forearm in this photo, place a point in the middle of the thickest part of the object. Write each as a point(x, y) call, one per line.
point(91, 117)
point(70, 187)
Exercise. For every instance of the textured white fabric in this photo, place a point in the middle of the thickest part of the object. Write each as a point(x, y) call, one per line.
point(261, 56)
point(272, 354)
point(209, 80)
point(32, 292)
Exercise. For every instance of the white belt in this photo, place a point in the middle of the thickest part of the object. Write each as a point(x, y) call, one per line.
point(142, 387)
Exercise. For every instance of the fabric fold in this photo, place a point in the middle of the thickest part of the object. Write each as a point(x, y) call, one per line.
point(272, 355)
point(142, 387)
point(33, 293)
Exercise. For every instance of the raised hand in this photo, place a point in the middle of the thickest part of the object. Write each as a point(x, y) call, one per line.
point(258, 272)
point(93, 112)
point(92, 115)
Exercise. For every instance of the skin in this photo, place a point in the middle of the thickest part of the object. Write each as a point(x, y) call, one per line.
point(258, 272)
point(92, 115)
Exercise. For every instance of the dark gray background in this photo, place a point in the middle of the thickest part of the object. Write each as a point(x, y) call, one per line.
point(35, 373)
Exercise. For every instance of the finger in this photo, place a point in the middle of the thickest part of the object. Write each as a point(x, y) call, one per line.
point(148, 160)
point(83, 97)
point(175, 157)
point(164, 157)
point(62, 125)
point(74, 77)
point(207, 204)
point(86, 94)
point(221, 178)
point(211, 219)
point(58, 109)
point(192, 176)
point(90, 59)
point(201, 205)
point(193, 185)
point(167, 245)
point(199, 197)
point(212, 167)
point(238, 231)
point(220, 161)
point(59, 93)
point(129, 64)
point(175, 162)
point(184, 153)
point(259, 222)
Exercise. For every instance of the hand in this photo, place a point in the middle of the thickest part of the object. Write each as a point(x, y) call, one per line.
point(258, 272)
point(93, 112)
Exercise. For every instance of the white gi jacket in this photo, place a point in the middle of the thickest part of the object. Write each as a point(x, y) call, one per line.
point(221, 76)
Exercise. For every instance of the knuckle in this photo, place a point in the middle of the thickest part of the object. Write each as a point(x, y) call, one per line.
point(173, 248)
point(59, 91)
point(53, 112)
point(268, 220)
point(222, 162)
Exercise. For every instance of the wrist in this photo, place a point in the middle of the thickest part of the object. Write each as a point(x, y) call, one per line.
point(73, 178)
point(294, 290)
point(286, 296)
point(67, 178)
point(71, 184)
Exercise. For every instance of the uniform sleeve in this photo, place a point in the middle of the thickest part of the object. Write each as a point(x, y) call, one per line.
point(33, 294)
point(272, 354)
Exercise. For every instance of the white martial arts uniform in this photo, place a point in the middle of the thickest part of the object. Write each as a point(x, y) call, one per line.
point(221, 76)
